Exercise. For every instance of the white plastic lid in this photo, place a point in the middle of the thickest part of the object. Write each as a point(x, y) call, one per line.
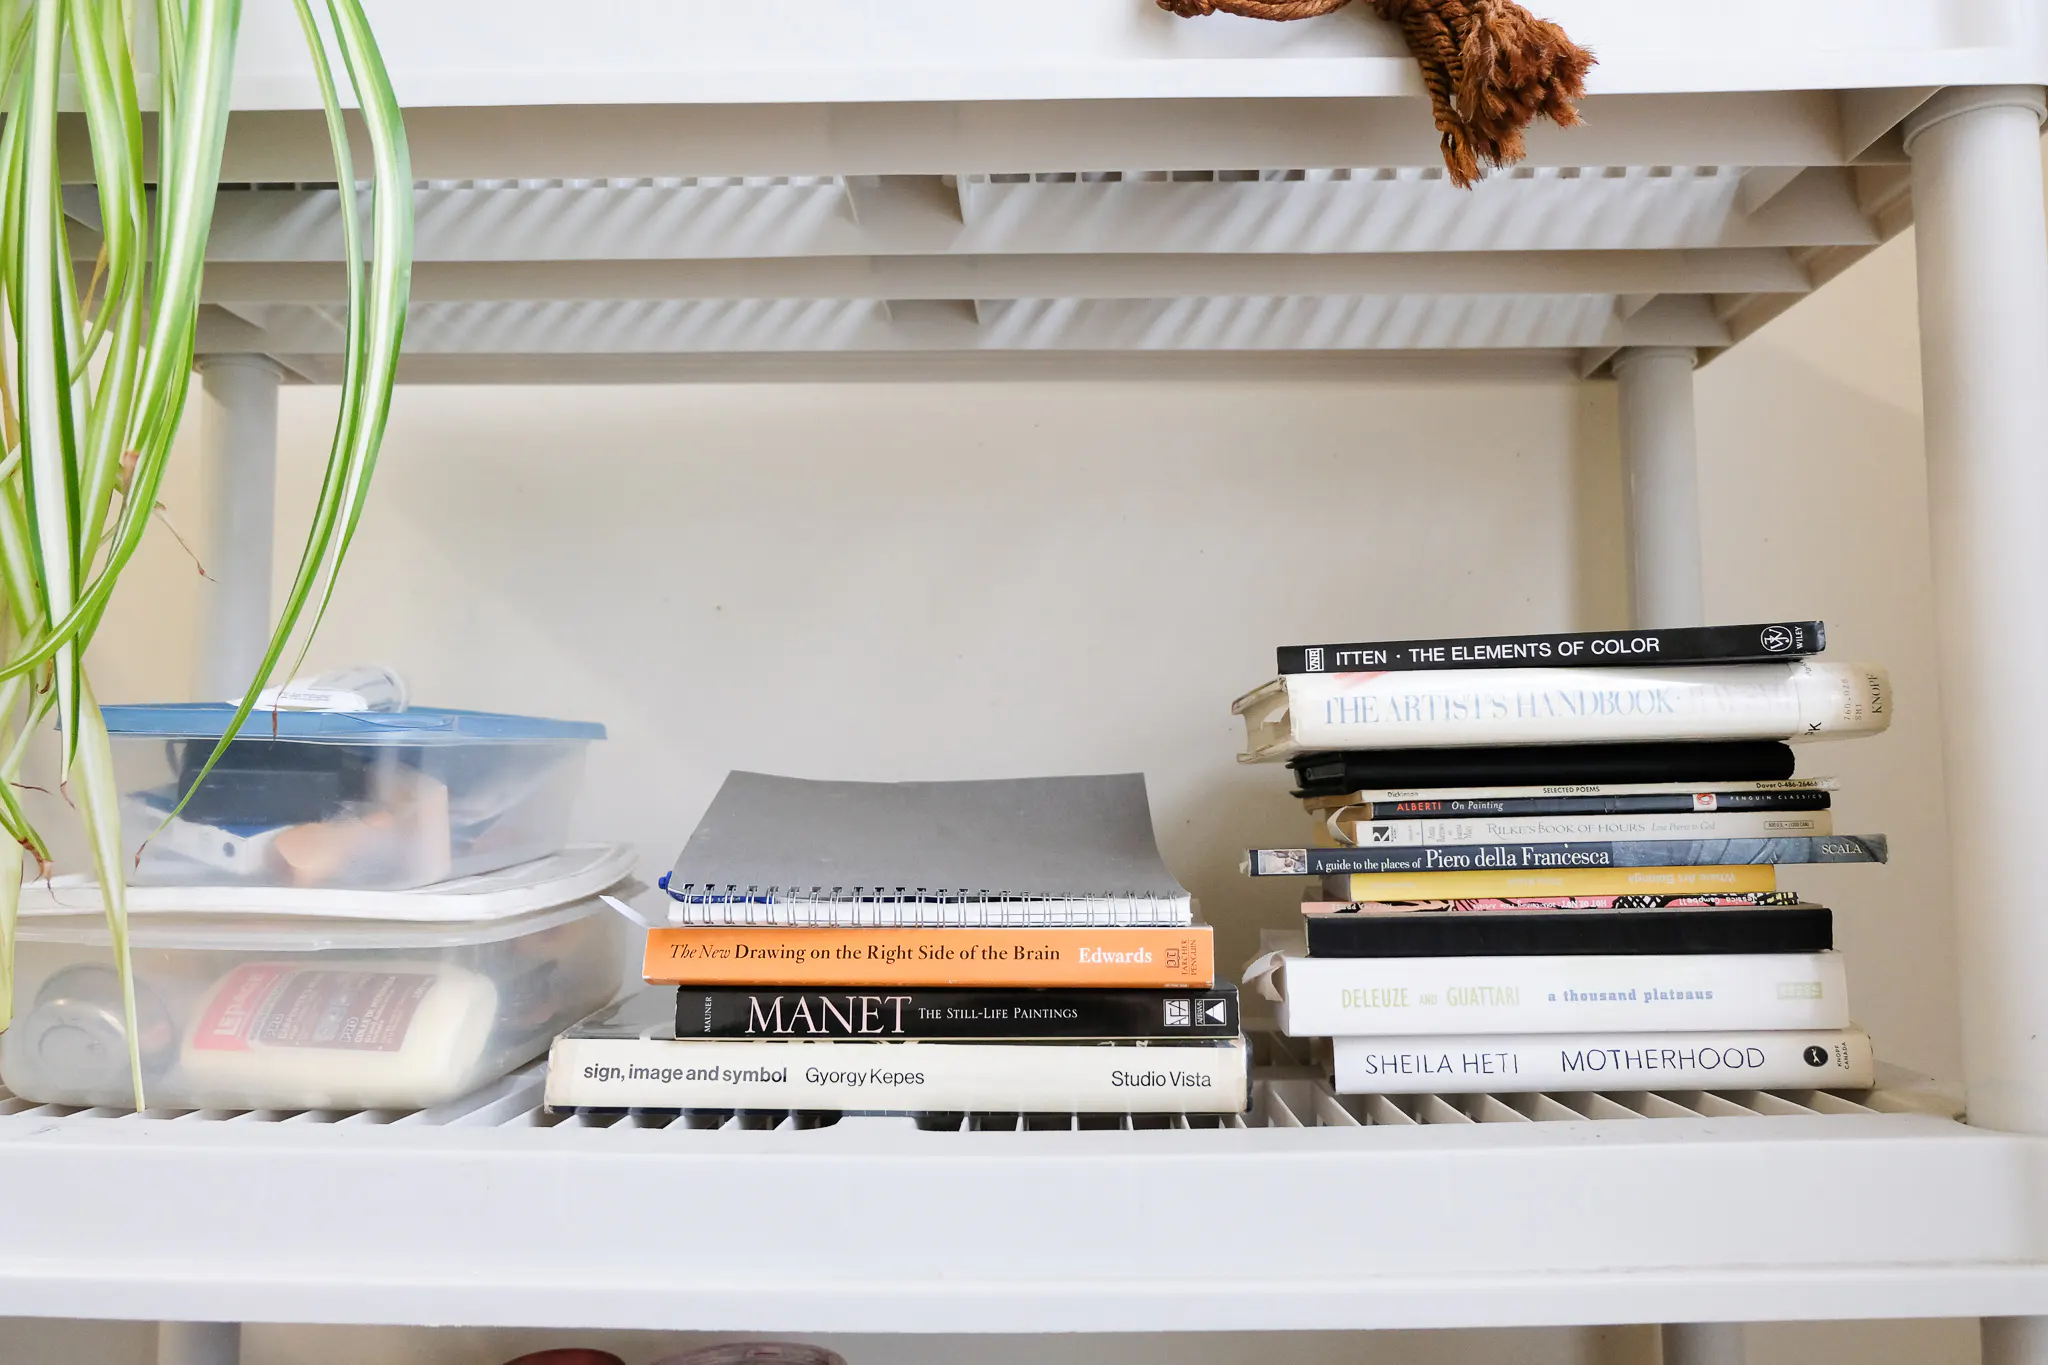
point(279, 936)
point(572, 875)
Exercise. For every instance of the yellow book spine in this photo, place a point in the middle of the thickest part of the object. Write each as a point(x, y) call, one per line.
point(1577, 881)
point(931, 957)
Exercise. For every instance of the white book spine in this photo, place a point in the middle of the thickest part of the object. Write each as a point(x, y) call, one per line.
point(1333, 997)
point(1305, 713)
point(908, 1077)
point(1806, 1059)
point(1482, 829)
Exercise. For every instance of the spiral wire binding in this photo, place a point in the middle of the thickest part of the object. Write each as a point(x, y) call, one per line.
point(914, 907)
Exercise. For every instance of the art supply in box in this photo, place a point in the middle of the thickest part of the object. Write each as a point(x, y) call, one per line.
point(363, 800)
point(253, 998)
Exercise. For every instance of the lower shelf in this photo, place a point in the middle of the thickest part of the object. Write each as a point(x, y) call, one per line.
point(1312, 1211)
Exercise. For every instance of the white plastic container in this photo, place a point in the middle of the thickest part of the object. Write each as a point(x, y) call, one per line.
point(306, 1001)
point(358, 800)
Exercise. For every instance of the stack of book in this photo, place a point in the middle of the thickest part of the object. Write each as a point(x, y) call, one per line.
point(1541, 863)
point(1012, 947)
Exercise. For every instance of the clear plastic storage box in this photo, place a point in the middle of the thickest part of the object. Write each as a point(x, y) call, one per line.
point(282, 999)
point(364, 800)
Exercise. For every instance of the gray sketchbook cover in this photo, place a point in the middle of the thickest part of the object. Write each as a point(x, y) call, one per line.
point(1079, 837)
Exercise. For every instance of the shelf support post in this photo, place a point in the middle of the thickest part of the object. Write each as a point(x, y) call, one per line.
point(1982, 247)
point(1703, 1343)
point(1660, 454)
point(238, 482)
point(1981, 244)
point(198, 1343)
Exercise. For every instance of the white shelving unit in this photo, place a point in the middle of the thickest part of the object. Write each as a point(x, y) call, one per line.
point(927, 188)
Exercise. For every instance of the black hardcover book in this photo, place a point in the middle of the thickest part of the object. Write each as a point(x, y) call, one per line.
point(1769, 929)
point(1566, 856)
point(994, 1015)
point(1534, 765)
point(1578, 649)
point(1674, 803)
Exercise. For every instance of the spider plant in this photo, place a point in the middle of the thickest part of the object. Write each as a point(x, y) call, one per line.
point(94, 372)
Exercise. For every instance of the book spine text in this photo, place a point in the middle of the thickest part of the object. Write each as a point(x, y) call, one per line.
point(1578, 649)
point(890, 1013)
point(1314, 862)
point(1365, 711)
point(1480, 1064)
point(1481, 829)
point(930, 957)
point(620, 1073)
point(1354, 996)
point(1446, 806)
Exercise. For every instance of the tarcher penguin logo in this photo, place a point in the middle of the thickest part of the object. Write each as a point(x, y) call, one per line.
point(1777, 639)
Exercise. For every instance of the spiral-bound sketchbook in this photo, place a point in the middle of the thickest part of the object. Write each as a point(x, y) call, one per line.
point(1017, 852)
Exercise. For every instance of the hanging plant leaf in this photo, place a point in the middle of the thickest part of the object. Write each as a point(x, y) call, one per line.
point(94, 386)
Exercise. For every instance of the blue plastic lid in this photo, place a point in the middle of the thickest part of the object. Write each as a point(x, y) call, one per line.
point(420, 725)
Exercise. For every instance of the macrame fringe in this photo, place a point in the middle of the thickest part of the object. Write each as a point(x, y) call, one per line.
point(1490, 66)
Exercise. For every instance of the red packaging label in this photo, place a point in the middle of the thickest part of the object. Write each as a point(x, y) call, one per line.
point(267, 1005)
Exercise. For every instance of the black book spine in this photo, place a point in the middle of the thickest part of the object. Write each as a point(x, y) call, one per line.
point(1676, 762)
point(1759, 643)
point(1677, 803)
point(1783, 929)
point(1557, 857)
point(994, 1015)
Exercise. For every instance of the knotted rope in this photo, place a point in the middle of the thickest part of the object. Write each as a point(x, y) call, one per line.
point(1490, 67)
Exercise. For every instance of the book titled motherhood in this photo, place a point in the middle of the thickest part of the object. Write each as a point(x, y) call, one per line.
point(955, 1014)
point(619, 1059)
point(1322, 862)
point(1675, 645)
point(1802, 1059)
point(1404, 996)
point(1312, 712)
point(931, 957)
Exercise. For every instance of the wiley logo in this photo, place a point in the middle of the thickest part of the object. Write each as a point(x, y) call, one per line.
point(1314, 660)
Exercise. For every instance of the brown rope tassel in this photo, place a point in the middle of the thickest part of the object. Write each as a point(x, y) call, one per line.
point(1490, 66)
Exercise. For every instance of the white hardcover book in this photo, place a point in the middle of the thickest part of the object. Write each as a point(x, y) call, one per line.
point(1496, 1064)
point(1318, 712)
point(898, 1077)
point(1335, 997)
point(1484, 829)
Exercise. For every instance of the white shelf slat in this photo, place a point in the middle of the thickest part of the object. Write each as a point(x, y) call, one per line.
point(1315, 1211)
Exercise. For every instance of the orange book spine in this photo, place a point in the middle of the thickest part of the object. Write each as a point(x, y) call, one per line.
point(931, 957)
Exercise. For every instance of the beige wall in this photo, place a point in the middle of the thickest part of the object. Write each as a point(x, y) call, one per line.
point(955, 580)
